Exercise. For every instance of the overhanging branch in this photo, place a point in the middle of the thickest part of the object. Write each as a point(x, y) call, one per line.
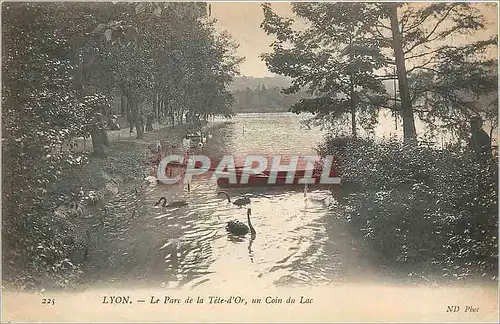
point(429, 53)
point(424, 67)
point(426, 38)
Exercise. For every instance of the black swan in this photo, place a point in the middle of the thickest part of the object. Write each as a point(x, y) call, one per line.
point(238, 228)
point(238, 202)
point(179, 203)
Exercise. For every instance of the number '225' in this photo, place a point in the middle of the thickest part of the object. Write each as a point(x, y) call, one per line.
point(48, 301)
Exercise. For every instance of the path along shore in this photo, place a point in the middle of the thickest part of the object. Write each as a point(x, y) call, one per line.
point(121, 172)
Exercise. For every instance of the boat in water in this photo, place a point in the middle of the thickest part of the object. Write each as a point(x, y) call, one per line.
point(241, 176)
point(265, 180)
point(270, 177)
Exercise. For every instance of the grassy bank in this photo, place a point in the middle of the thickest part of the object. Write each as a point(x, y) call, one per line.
point(47, 249)
point(423, 212)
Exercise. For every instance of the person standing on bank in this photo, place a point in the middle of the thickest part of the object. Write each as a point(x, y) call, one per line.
point(149, 122)
point(130, 123)
point(141, 119)
point(479, 142)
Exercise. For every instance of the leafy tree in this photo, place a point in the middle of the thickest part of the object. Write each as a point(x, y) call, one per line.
point(418, 38)
point(461, 85)
point(75, 24)
point(43, 110)
point(334, 57)
point(41, 105)
point(189, 70)
point(413, 38)
point(61, 64)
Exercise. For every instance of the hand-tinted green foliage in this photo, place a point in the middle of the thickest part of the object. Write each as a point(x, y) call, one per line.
point(432, 210)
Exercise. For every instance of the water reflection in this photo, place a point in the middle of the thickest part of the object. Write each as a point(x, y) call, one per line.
point(189, 246)
point(250, 252)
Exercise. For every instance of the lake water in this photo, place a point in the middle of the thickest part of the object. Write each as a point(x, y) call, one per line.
point(301, 250)
point(297, 242)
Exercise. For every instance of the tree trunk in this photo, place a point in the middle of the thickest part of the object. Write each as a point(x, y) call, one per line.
point(164, 108)
point(139, 126)
point(181, 116)
point(98, 142)
point(123, 104)
point(134, 113)
point(409, 131)
point(353, 108)
point(156, 102)
point(98, 132)
point(99, 137)
point(172, 116)
point(130, 120)
point(492, 128)
point(104, 135)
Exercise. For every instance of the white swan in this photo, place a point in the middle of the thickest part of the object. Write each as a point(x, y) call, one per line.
point(151, 180)
point(327, 201)
point(304, 181)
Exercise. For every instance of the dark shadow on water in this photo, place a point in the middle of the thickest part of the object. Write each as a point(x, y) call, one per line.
point(250, 251)
point(183, 246)
point(235, 238)
point(272, 191)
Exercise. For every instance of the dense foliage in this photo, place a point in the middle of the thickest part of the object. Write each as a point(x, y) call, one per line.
point(335, 58)
point(420, 209)
point(423, 210)
point(61, 62)
point(346, 50)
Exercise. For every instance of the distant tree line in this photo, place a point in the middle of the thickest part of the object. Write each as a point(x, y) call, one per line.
point(241, 82)
point(262, 99)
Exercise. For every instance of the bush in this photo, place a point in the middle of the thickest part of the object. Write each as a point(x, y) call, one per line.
point(421, 206)
point(46, 251)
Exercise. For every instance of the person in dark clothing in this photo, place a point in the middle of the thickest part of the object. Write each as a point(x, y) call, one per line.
point(141, 119)
point(130, 123)
point(479, 143)
point(149, 122)
point(113, 123)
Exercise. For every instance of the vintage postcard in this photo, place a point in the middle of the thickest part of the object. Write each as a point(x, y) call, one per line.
point(249, 161)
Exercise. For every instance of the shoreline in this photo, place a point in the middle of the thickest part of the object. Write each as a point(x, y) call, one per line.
point(120, 172)
point(120, 180)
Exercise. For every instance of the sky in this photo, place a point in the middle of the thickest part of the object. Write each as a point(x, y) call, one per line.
point(242, 20)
